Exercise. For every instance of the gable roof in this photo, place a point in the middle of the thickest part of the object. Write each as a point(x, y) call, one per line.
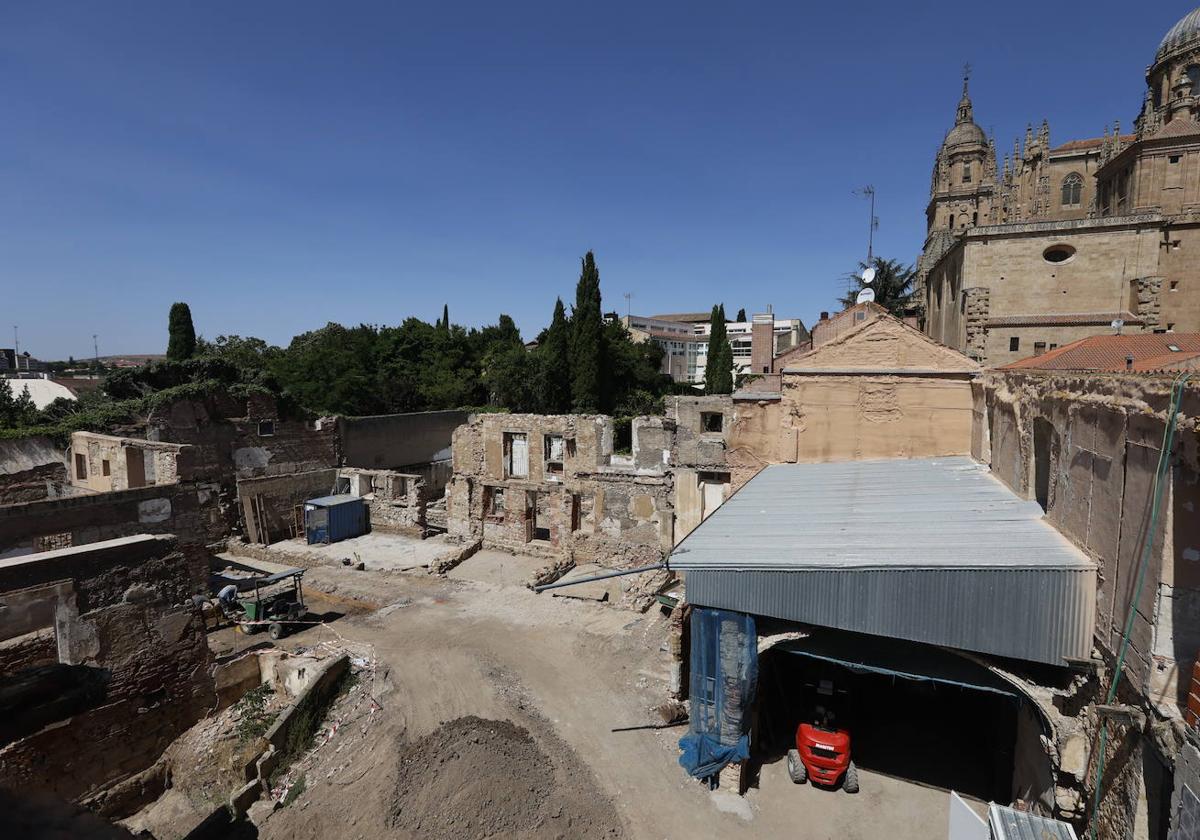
point(884, 345)
point(1108, 353)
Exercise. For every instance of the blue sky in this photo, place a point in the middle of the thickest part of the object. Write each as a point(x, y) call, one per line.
point(281, 165)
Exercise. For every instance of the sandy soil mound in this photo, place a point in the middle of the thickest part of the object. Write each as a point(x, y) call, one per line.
point(474, 778)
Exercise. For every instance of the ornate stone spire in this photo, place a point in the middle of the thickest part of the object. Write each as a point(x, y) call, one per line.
point(965, 110)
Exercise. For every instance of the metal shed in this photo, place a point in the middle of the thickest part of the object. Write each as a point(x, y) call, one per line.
point(331, 519)
point(933, 550)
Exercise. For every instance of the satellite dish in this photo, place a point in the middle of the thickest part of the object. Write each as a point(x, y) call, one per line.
point(865, 296)
point(868, 276)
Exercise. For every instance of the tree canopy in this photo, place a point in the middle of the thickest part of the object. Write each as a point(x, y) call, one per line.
point(893, 285)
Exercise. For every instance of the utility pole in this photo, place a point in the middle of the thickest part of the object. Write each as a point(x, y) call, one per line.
point(628, 305)
point(96, 350)
point(869, 192)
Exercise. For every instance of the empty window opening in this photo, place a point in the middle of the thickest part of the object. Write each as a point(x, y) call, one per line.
point(494, 501)
point(860, 316)
point(1170, 328)
point(1039, 347)
point(135, 467)
point(1174, 285)
point(1014, 344)
point(1174, 158)
point(105, 467)
point(80, 466)
point(266, 428)
point(966, 173)
point(554, 453)
point(538, 515)
point(1053, 346)
point(576, 512)
point(516, 455)
point(1045, 451)
point(712, 421)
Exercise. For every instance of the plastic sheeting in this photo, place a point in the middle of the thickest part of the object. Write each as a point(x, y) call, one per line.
point(724, 674)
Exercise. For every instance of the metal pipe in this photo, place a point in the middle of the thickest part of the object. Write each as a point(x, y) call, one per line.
point(604, 576)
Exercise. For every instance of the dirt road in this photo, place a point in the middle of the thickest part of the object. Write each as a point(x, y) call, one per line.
point(582, 679)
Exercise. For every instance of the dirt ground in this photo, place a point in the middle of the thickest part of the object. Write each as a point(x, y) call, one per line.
point(578, 682)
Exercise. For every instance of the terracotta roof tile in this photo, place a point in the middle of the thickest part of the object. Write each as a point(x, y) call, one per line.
point(1090, 143)
point(1073, 319)
point(1150, 351)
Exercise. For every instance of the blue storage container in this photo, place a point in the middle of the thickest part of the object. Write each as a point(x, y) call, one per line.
point(331, 519)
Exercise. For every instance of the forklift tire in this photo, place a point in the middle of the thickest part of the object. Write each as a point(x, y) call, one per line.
point(850, 783)
point(797, 772)
point(277, 631)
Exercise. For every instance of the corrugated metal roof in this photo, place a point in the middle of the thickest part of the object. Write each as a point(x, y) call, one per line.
point(330, 501)
point(1007, 824)
point(916, 513)
point(930, 550)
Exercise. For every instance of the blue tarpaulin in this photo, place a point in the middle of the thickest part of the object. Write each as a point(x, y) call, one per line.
point(724, 673)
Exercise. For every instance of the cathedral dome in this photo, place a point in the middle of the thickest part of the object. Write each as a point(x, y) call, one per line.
point(966, 132)
point(1188, 29)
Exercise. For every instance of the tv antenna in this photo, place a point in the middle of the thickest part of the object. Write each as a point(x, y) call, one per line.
point(628, 305)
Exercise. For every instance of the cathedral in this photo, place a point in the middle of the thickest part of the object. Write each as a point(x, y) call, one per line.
point(1057, 243)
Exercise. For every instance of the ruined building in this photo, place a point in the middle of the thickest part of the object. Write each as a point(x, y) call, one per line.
point(1056, 242)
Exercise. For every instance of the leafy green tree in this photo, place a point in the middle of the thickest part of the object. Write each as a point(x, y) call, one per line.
point(718, 367)
point(741, 318)
point(181, 343)
point(587, 350)
point(893, 285)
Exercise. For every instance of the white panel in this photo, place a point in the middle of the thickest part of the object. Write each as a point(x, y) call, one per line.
point(965, 824)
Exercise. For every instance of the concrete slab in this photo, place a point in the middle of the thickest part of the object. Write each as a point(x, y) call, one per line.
point(600, 590)
point(377, 551)
point(498, 567)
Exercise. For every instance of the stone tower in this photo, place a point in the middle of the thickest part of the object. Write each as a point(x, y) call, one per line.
point(964, 174)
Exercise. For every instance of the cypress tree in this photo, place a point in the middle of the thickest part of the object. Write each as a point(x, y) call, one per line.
point(718, 367)
point(555, 353)
point(445, 322)
point(181, 341)
point(741, 318)
point(586, 340)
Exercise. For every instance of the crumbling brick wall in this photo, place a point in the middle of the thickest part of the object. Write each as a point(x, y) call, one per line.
point(245, 438)
point(189, 511)
point(396, 501)
point(570, 499)
point(267, 505)
point(125, 627)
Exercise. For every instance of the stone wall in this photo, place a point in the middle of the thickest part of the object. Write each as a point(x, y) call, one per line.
point(101, 463)
point(245, 438)
point(132, 670)
point(31, 469)
point(1087, 447)
point(398, 441)
point(268, 505)
point(396, 500)
point(571, 500)
point(190, 511)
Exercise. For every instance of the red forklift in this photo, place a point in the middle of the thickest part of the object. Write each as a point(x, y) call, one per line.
point(822, 753)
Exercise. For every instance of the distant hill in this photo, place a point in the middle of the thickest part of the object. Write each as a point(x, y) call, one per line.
point(131, 359)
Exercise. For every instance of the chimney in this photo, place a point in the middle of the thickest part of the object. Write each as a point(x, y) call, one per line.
point(824, 316)
point(762, 343)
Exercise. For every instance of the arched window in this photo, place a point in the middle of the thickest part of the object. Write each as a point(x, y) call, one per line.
point(1072, 190)
point(1193, 73)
